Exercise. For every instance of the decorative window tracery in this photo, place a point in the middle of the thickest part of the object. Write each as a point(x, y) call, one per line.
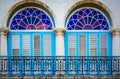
point(87, 19)
point(31, 19)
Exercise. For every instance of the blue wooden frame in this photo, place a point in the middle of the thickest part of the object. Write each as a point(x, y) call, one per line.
point(53, 47)
point(109, 53)
point(87, 33)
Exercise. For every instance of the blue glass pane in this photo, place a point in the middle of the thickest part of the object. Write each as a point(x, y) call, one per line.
point(104, 23)
point(30, 10)
point(24, 12)
point(94, 13)
point(80, 12)
point(43, 16)
point(14, 22)
point(71, 22)
point(18, 17)
point(100, 17)
point(74, 16)
point(37, 12)
point(47, 22)
point(87, 11)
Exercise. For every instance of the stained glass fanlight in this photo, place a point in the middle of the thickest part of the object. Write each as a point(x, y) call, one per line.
point(31, 19)
point(87, 19)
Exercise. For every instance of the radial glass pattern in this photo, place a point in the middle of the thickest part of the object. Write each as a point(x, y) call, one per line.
point(31, 19)
point(87, 19)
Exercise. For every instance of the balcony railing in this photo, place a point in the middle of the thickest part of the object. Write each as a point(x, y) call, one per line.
point(59, 65)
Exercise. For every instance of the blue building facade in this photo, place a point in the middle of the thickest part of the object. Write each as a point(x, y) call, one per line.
point(32, 42)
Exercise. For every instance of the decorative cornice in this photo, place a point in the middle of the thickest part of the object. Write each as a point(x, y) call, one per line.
point(4, 30)
point(115, 31)
point(59, 31)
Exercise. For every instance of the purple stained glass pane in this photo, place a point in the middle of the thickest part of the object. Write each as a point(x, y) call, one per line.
point(87, 19)
point(31, 19)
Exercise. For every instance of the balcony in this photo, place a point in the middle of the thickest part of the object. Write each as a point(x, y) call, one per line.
point(59, 65)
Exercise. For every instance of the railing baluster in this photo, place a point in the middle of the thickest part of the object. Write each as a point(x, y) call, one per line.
point(50, 66)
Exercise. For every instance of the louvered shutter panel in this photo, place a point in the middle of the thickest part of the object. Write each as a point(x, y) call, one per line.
point(15, 45)
point(36, 45)
point(72, 45)
point(82, 44)
point(104, 45)
point(47, 45)
point(26, 45)
point(93, 45)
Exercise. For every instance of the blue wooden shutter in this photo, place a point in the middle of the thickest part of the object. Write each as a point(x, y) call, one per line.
point(93, 45)
point(72, 45)
point(15, 45)
point(37, 45)
point(82, 41)
point(104, 44)
point(47, 45)
point(26, 45)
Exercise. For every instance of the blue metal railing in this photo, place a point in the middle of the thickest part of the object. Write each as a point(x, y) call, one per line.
point(55, 65)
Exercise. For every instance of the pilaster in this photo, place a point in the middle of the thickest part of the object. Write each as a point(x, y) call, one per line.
point(3, 41)
point(59, 41)
point(116, 41)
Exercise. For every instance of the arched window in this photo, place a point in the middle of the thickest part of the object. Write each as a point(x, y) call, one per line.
point(31, 19)
point(31, 33)
point(88, 33)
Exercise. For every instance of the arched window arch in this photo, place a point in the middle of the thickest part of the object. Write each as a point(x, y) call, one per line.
point(31, 18)
point(31, 32)
point(88, 19)
point(88, 33)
